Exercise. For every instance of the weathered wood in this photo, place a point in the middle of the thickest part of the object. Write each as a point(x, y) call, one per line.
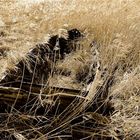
point(65, 105)
point(11, 93)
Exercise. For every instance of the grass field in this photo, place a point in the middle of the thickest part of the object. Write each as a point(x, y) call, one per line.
point(114, 25)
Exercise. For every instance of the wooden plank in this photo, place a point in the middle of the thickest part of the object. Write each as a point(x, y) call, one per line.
point(11, 93)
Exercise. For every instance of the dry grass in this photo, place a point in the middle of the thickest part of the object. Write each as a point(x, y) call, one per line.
point(113, 24)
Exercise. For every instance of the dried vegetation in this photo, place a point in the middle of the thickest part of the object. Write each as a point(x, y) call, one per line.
point(115, 27)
